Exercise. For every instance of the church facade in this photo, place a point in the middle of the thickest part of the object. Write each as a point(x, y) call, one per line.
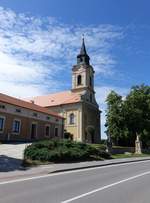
point(78, 106)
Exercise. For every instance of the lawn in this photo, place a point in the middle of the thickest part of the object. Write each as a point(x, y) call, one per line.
point(119, 156)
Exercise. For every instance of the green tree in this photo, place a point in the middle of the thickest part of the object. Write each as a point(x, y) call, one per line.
point(128, 117)
point(114, 119)
point(137, 113)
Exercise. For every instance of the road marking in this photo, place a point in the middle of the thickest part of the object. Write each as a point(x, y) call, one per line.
point(105, 187)
point(68, 172)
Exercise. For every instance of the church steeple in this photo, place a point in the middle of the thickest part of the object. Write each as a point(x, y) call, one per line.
point(83, 49)
point(83, 57)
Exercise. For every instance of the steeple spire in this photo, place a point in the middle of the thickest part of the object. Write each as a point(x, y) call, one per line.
point(83, 57)
point(83, 49)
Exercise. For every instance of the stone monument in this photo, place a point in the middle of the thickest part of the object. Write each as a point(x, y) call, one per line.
point(138, 145)
point(109, 143)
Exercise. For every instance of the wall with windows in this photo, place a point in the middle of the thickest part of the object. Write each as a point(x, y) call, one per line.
point(81, 115)
point(18, 125)
point(18, 111)
point(73, 118)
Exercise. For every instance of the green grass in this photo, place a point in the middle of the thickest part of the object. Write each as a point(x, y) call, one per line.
point(99, 146)
point(120, 147)
point(119, 156)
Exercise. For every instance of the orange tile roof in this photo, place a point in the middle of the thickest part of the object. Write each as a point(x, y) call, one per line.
point(56, 99)
point(28, 105)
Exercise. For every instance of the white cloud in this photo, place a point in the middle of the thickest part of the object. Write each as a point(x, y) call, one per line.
point(12, 70)
point(21, 90)
point(103, 91)
point(33, 50)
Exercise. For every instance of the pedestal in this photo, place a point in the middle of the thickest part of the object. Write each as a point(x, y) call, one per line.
point(138, 146)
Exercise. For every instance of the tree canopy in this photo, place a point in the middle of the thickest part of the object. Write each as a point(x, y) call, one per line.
point(129, 116)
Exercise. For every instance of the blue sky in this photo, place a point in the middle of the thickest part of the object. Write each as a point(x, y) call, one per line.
point(39, 41)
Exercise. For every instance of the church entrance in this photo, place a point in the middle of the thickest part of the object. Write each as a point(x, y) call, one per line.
point(92, 138)
point(90, 131)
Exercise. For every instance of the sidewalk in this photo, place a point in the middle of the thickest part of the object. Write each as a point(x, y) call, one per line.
point(55, 168)
point(11, 155)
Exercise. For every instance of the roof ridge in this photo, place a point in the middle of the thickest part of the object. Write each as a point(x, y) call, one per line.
point(46, 95)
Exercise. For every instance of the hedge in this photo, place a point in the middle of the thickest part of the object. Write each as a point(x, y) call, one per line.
point(63, 151)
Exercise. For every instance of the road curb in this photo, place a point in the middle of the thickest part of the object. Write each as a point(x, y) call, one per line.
point(98, 165)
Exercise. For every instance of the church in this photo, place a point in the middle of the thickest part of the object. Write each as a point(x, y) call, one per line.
point(78, 106)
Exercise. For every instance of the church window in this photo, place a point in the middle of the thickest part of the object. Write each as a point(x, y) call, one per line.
point(90, 81)
point(71, 118)
point(79, 80)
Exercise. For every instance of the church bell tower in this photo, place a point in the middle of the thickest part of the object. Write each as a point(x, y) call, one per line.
point(83, 75)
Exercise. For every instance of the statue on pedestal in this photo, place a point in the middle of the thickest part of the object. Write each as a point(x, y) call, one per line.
point(109, 143)
point(138, 145)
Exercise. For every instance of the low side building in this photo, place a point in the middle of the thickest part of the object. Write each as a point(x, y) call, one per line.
point(24, 121)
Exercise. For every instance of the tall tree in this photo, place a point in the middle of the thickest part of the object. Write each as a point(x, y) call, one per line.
point(129, 117)
point(114, 119)
point(137, 105)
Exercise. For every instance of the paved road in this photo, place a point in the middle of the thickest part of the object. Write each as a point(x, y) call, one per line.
point(126, 183)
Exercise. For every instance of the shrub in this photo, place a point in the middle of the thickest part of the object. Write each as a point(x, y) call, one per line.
point(63, 151)
point(99, 146)
point(104, 154)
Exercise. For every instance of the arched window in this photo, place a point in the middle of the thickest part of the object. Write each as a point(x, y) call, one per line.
point(90, 81)
point(79, 79)
point(71, 118)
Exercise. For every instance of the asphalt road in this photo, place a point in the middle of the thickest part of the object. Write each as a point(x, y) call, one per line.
point(126, 183)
